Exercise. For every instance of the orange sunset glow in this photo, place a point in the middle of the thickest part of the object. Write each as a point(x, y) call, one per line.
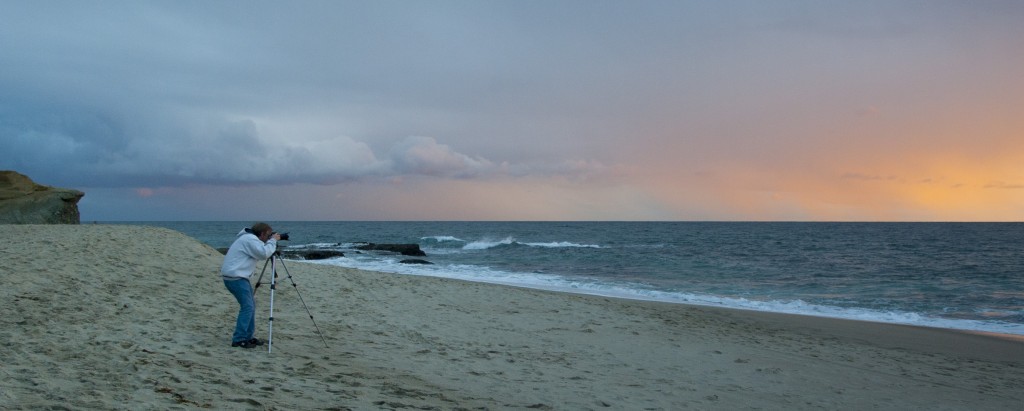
point(873, 111)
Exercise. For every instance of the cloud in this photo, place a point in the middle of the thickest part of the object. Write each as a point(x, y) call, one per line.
point(115, 148)
point(1004, 186)
point(867, 177)
point(168, 96)
point(424, 156)
point(869, 111)
point(186, 95)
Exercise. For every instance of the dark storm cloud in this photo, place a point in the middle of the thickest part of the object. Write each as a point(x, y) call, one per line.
point(185, 92)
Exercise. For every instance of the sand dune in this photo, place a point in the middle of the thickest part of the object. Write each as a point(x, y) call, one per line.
point(123, 317)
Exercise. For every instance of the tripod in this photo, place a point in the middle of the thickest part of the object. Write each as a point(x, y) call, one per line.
point(272, 261)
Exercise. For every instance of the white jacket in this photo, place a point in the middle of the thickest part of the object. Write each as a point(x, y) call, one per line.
point(245, 252)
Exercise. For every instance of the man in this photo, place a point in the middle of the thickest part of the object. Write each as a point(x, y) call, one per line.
point(252, 246)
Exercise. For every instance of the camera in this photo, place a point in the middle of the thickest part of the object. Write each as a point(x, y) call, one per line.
point(284, 236)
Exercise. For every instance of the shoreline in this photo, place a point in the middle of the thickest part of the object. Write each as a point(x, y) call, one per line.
point(833, 325)
point(983, 344)
point(455, 258)
point(1003, 335)
point(112, 316)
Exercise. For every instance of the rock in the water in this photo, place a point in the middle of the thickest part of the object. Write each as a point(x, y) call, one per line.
point(415, 261)
point(22, 201)
point(404, 249)
point(301, 254)
point(312, 254)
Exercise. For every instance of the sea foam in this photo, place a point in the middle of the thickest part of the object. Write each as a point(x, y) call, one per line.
point(636, 291)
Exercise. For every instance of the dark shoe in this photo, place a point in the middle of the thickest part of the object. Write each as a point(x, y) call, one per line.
point(256, 341)
point(243, 344)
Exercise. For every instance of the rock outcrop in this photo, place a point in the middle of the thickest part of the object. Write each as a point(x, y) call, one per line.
point(22, 201)
point(403, 249)
point(311, 254)
point(304, 254)
point(416, 261)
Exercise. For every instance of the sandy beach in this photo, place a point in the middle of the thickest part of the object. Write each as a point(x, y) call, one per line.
point(128, 317)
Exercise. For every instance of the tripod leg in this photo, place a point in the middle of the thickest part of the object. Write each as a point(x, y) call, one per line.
point(273, 286)
point(296, 287)
point(258, 280)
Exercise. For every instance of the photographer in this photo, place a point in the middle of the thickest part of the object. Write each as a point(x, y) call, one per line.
point(252, 246)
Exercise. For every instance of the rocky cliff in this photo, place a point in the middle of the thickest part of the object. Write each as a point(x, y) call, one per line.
point(22, 201)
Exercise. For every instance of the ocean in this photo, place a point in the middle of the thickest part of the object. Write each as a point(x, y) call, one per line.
point(967, 276)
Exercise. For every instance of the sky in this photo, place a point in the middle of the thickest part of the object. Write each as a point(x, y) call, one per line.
point(519, 110)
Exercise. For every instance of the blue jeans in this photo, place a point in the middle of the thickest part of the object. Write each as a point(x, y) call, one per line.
point(245, 326)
